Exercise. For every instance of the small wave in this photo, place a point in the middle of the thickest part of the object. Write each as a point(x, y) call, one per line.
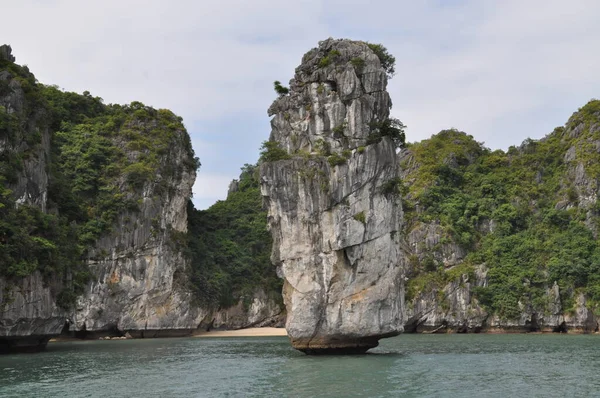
point(390, 353)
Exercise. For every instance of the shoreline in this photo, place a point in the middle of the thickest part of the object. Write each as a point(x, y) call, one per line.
point(274, 332)
point(249, 332)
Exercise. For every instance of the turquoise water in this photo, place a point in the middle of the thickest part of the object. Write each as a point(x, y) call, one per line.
point(408, 366)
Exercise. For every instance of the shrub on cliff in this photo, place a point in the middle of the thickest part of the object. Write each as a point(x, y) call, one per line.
point(392, 128)
point(270, 151)
point(388, 61)
point(279, 89)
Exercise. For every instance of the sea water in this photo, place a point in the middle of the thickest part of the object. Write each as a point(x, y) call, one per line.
point(405, 366)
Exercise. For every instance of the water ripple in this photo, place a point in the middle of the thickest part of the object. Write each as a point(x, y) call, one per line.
point(408, 366)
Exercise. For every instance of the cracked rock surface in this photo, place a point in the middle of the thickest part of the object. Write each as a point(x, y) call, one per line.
point(333, 213)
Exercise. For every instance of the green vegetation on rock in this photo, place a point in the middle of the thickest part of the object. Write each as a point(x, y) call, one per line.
point(390, 127)
point(230, 246)
point(279, 88)
point(519, 213)
point(388, 61)
point(99, 158)
point(270, 151)
point(31, 240)
point(100, 164)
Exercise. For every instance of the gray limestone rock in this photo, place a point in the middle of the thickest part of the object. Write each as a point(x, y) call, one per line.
point(138, 269)
point(29, 315)
point(454, 309)
point(31, 186)
point(259, 311)
point(335, 224)
point(6, 53)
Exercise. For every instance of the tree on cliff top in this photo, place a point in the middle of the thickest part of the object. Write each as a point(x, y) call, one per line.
point(280, 89)
point(388, 61)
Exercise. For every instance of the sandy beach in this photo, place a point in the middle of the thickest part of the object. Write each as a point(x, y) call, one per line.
point(250, 332)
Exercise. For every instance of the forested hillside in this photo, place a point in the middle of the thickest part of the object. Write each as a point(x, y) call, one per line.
point(230, 246)
point(92, 206)
point(98, 155)
point(529, 216)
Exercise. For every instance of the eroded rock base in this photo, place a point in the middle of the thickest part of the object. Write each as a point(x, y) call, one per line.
point(23, 344)
point(337, 345)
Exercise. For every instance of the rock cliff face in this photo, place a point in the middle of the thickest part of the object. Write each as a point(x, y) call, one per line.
point(28, 309)
point(114, 184)
point(533, 271)
point(29, 315)
point(138, 268)
point(30, 185)
point(262, 311)
point(333, 210)
point(455, 308)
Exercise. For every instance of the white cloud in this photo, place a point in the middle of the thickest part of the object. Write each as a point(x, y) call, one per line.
point(518, 59)
point(209, 188)
point(501, 71)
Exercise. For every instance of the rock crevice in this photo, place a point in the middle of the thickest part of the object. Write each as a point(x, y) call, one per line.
point(334, 228)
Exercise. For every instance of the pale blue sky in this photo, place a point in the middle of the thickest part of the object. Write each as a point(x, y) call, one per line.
point(499, 70)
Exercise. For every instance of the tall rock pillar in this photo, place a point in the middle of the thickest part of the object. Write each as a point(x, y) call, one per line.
point(333, 202)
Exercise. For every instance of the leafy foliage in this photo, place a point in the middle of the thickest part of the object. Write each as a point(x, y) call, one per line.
point(99, 164)
point(331, 57)
point(270, 151)
point(516, 212)
point(230, 246)
point(100, 156)
point(393, 187)
point(31, 240)
point(392, 128)
point(360, 217)
point(358, 63)
point(335, 159)
point(322, 147)
point(388, 61)
point(279, 89)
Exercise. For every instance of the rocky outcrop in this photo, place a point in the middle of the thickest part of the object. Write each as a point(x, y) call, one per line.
point(581, 158)
point(452, 268)
point(137, 266)
point(138, 269)
point(29, 184)
point(29, 314)
point(334, 211)
point(260, 311)
point(451, 308)
point(6, 53)
point(455, 309)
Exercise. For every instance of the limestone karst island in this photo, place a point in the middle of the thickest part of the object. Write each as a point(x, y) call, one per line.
point(344, 232)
